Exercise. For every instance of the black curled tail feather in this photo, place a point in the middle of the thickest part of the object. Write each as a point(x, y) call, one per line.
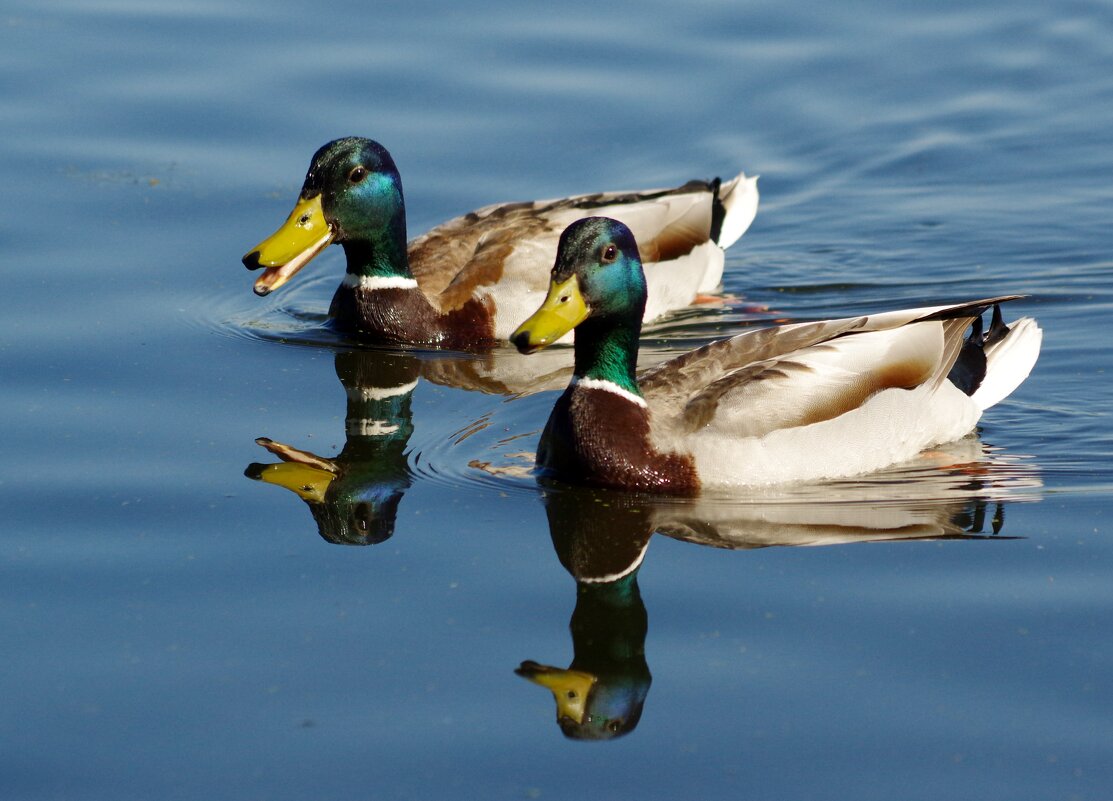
point(997, 328)
point(969, 369)
point(718, 210)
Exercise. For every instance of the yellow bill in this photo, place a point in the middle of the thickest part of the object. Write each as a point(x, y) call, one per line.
point(304, 234)
point(570, 688)
point(310, 483)
point(563, 310)
point(301, 472)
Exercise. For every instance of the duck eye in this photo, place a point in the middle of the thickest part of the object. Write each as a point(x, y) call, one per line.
point(610, 253)
point(357, 174)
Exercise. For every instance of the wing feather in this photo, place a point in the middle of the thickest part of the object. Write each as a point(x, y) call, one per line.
point(800, 374)
point(818, 383)
point(478, 248)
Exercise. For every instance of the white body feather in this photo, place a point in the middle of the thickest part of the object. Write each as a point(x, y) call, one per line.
point(1010, 362)
point(892, 426)
point(671, 284)
point(856, 396)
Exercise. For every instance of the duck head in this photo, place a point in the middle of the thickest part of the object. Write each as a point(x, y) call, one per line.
point(352, 196)
point(597, 276)
point(349, 508)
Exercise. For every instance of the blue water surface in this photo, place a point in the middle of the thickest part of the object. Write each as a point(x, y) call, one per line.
point(174, 629)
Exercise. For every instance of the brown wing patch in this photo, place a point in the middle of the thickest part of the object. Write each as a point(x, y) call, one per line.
point(672, 243)
point(751, 384)
point(488, 260)
point(485, 268)
point(451, 261)
point(439, 256)
point(907, 374)
point(689, 373)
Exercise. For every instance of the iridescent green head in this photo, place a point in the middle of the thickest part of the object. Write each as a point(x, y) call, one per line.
point(359, 185)
point(352, 195)
point(597, 274)
point(598, 288)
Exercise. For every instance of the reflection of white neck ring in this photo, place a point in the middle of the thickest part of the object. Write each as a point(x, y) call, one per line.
point(379, 393)
point(370, 428)
point(612, 577)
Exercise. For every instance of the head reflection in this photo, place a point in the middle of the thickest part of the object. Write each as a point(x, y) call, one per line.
point(354, 496)
point(600, 538)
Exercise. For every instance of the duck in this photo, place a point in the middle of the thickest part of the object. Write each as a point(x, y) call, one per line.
point(466, 283)
point(789, 403)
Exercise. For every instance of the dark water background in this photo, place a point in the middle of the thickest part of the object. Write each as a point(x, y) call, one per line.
point(171, 629)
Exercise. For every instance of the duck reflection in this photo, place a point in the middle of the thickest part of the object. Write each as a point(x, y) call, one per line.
point(354, 496)
point(601, 538)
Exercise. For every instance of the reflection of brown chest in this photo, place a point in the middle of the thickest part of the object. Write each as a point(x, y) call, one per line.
point(597, 437)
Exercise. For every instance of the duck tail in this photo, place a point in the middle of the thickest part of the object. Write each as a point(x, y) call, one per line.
point(735, 207)
point(1010, 354)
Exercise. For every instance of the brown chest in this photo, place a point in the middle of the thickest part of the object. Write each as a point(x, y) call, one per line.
point(600, 438)
point(405, 316)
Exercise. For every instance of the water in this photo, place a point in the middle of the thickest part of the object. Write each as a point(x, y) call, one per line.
point(174, 628)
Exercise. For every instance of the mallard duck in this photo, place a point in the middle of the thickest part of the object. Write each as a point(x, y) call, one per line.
point(467, 282)
point(788, 403)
